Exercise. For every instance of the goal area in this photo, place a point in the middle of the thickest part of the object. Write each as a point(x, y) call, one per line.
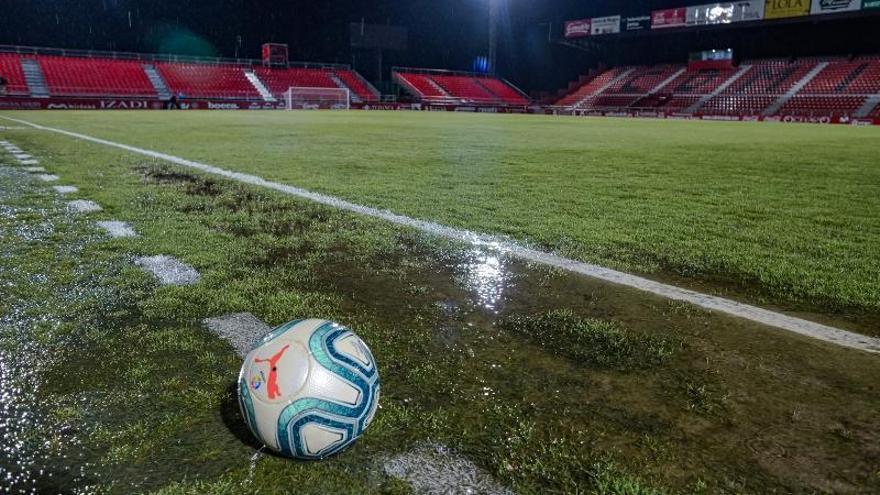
point(300, 98)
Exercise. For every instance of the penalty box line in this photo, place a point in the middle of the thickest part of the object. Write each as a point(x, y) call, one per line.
point(759, 315)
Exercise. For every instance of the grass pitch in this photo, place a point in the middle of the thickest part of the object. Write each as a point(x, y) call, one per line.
point(549, 382)
point(779, 214)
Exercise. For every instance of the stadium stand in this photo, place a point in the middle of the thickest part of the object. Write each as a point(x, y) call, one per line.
point(68, 76)
point(804, 87)
point(504, 91)
point(809, 87)
point(10, 69)
point(446, 87)
point(207, 81)
point(279, 80)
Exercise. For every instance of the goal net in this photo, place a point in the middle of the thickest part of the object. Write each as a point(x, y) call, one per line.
point(298, 98)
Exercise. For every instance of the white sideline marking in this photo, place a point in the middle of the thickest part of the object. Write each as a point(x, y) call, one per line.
point(168, 270)
point(241, 330)
point(771, 318)
point(115, 228)
point(65, 189)
point(48, 177)
point(83, 206)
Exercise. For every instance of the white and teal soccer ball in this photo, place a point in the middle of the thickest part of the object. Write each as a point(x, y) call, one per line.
point(309, 389)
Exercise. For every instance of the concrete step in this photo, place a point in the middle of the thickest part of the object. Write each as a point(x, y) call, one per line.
point(33, 75)
point(259, 86)
point(867, 107)
point(157, 82)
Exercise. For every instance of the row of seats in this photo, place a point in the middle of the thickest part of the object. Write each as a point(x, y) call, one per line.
point(461, 88)
point(643, 79)
point(823, 105)
point(207, 81)
point(74, 76)
point(591, 86)
point(95, 76)
point(843, 85)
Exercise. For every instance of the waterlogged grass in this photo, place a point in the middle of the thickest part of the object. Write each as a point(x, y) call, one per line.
point(590, 342)
point(572, 387)
point(779, 214)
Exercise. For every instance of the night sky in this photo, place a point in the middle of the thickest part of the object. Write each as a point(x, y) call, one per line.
point(443, 33)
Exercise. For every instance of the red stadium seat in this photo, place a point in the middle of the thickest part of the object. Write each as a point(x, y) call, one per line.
point(504, 91)
point(457, 88)
point(421, 85)
point(10, 69)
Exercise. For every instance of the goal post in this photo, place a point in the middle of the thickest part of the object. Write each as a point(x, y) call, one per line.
point(300, 98)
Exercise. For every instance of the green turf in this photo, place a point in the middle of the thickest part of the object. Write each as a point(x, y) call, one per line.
point(572, 387)
point(774, 214)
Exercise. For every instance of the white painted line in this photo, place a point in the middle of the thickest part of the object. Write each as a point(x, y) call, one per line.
point(34, 170)
point(433, 469)
point(771, 318)
point(118, 229)
point(241, 330)
point(65, 189)
point(168, 270)
point(22, 156)
point(48, 177)
point(83, 206)
point(30, 162)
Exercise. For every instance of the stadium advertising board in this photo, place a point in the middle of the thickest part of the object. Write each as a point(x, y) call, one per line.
point(640, 23)
point(834, 6)
point(713, 13)
point(725, 13)
point(749, 11)
point(669, 18)
point(577, 29)
point(605, 25)
point(780, 9)
point(871, 4)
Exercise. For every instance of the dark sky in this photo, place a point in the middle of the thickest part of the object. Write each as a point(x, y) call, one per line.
point(443, 33)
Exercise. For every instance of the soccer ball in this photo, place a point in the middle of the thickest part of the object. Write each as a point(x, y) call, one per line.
point(309, 389)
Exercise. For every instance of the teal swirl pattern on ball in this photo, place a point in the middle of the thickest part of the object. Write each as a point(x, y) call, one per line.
point(349, 421)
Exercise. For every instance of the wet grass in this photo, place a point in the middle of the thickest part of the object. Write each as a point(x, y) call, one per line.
point(552, 383)
point(590, 342)
point(773, 214)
